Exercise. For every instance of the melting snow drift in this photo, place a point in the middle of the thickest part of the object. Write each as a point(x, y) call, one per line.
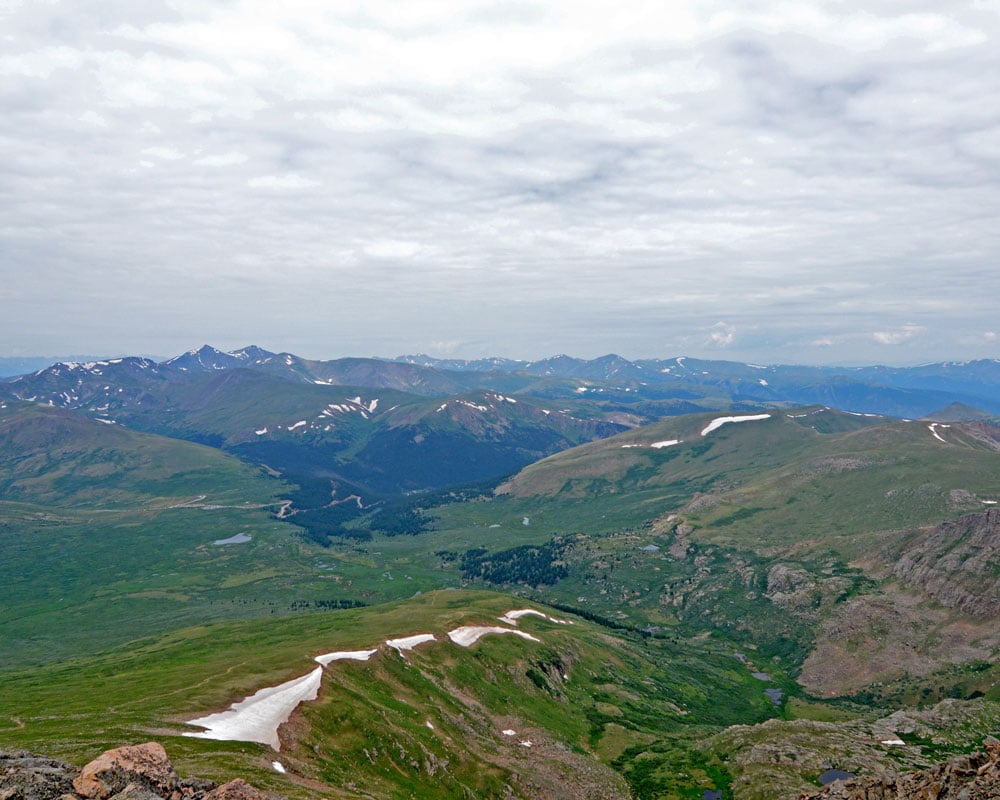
point(345, 655)
point(718, 422)
point(409, 642)
point(258, 717)
point(468, 635)
point(511, 617)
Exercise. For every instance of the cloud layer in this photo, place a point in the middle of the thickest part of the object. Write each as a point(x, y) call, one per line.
point(773, 181)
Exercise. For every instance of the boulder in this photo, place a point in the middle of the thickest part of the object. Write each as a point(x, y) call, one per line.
point(144, 766)
point(24, 776)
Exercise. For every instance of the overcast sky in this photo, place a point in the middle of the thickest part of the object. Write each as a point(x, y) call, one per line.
point(781, 182)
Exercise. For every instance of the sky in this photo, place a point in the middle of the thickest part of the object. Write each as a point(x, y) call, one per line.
point(778, 182)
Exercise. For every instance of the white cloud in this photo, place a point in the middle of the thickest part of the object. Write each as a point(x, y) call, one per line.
point(392, 249)
point(722, 335)
point(290, 182)
point(229, 159)
point(166, 153)
point(93, 118)
point(899, 335)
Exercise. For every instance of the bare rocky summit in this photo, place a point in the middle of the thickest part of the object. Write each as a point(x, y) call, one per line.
point(133, 772)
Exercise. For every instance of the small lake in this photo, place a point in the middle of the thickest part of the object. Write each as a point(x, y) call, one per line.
point(239, 538)
point(832, 775)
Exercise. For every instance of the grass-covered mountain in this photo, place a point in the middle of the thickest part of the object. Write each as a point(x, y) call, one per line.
point(756, 592)
point(369, 435)
point(578, 710)
point(789, 531)
point(414, 424)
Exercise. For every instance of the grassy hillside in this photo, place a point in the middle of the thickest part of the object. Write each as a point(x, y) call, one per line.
point(597, 706)
point(808, 553)
point(782, 532)
point(107, 534)
point(369, 729)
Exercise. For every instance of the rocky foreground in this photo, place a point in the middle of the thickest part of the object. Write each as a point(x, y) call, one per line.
point(136, 772)
point(974, 777)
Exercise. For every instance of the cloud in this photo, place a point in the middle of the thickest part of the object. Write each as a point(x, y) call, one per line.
point(547, 175)
point(899, 335)
point(230, 159)
point(290, 181)
point(722, 335)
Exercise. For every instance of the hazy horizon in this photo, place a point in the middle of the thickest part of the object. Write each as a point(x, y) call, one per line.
point(159, 358)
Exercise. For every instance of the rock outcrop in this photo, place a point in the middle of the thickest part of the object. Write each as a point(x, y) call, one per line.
point(974, 777)
point(956, 563)
point(134, 772)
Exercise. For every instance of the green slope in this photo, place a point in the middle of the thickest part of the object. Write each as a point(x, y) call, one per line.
point(781, 532)
point(107, 534)
point(592, 702)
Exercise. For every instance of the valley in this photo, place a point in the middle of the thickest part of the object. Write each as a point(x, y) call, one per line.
point(760, 589)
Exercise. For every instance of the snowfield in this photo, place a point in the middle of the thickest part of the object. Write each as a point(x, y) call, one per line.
point(409, 642)
point(345, 655)
point(718, 422)
point(258, 717)
point(468, 635)
point(511, 617)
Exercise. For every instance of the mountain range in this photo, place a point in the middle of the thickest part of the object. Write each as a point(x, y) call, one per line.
point(723, 578)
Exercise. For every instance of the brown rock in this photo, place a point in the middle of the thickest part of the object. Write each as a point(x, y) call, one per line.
point(144, 765)
point(238, 789)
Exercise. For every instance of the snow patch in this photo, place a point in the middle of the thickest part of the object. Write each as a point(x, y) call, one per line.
point(468, 635)
point(511, 617)
point(669, 443)
point(345, 655)
point(508, 732)
point(258, 717)
point(298, 424)
point(718, 422)
point(277, 766)
point(262, 431)
point(933, 429)
point(409, 642)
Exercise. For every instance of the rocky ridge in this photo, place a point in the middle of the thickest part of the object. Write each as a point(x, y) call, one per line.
point(133, 772)
point(972, 777)
point(956, 563)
